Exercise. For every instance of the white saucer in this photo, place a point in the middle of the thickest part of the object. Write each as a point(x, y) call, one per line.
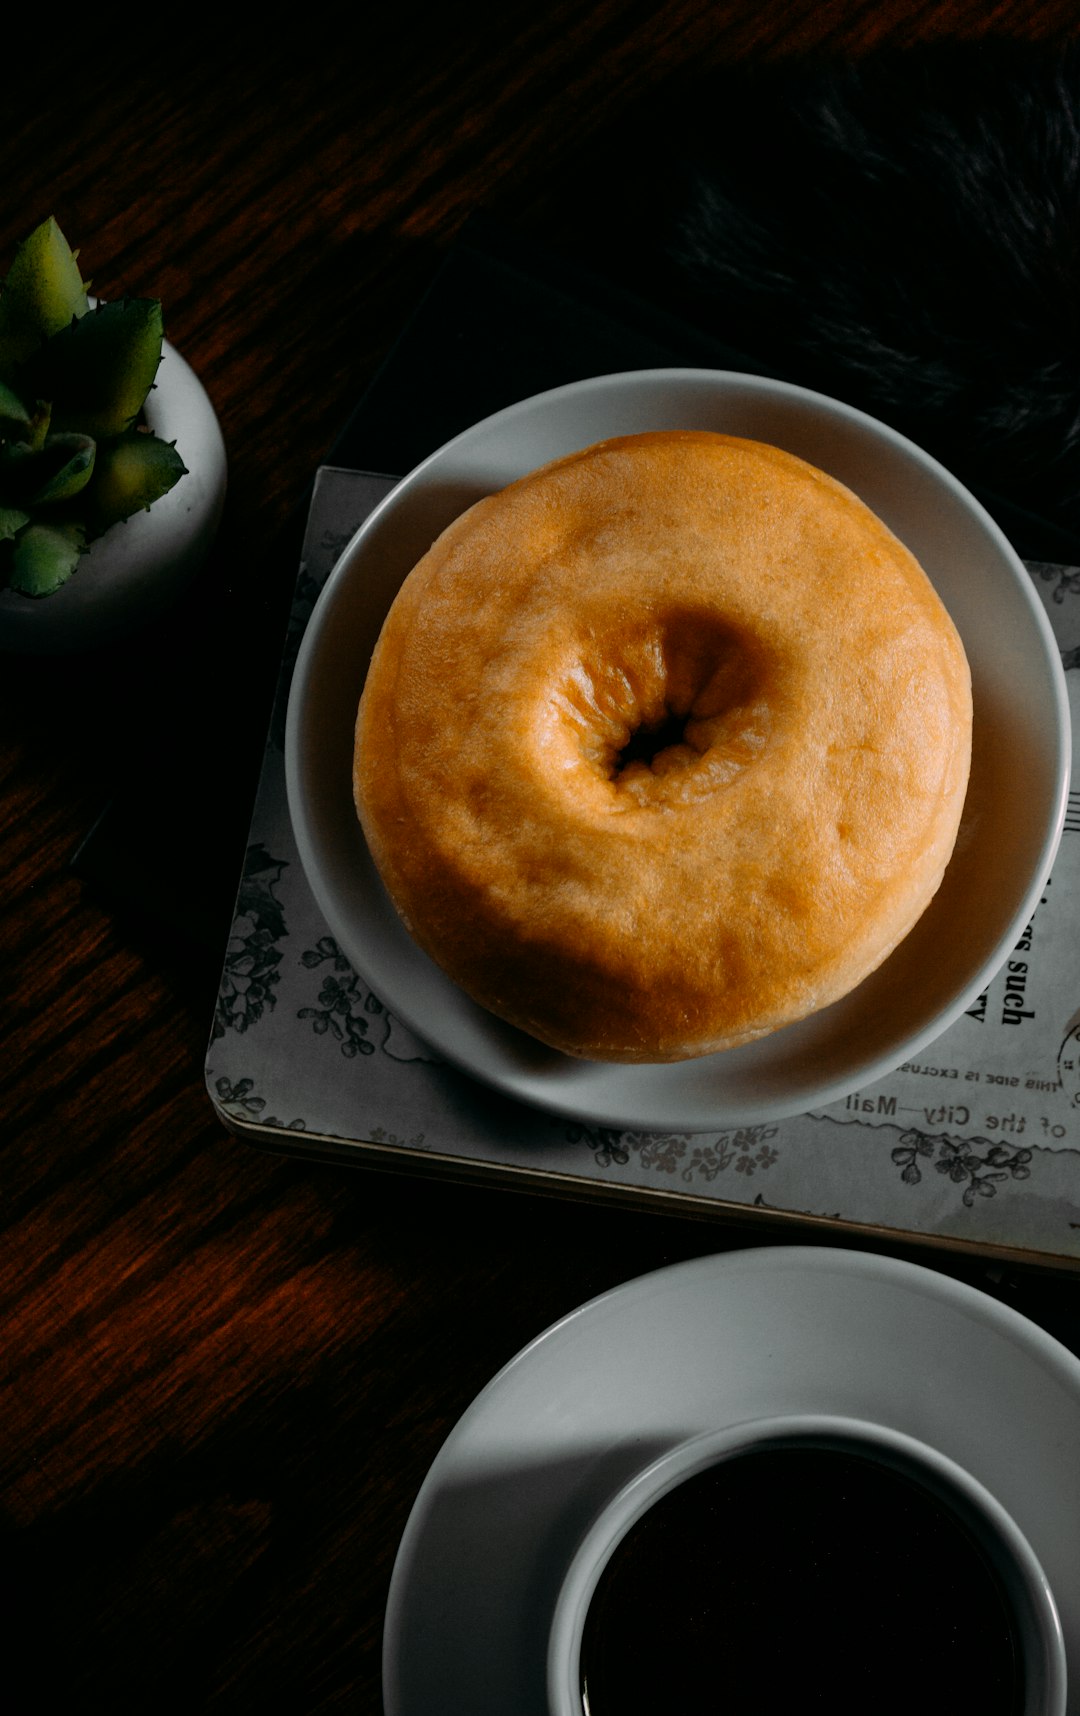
point(628, 1376)
point(1012, 821)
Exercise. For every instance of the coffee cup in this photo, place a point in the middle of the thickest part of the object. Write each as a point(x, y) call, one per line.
point(811, 1560)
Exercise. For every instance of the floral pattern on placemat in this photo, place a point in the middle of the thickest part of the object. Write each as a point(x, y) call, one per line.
point(976, 1164)
point(745, 1149)
point(243, 1102)
point(347, 1010)
point(1064, 579)
point(341, 1002)
point(253, 954)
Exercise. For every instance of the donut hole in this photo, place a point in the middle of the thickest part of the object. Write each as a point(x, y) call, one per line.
point(650, 741)
point(660, 711)
point(698, 709)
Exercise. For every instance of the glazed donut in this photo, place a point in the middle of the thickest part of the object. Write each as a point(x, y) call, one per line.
point(663, 747)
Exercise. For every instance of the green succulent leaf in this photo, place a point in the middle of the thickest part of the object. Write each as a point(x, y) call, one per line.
point(44, 556)
point(66, 464)
point(98, 370)
point(130, 475)
point(42, 293)
point(29, 436)
point(40, 424)
point(14, 417)
point(45, 469)
point(12, 519)
point(75, 457)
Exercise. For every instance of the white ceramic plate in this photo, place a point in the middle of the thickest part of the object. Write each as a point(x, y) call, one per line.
point(718, 1341)
point(1012, 823)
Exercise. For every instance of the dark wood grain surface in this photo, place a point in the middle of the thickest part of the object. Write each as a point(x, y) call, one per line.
point(223, 1375)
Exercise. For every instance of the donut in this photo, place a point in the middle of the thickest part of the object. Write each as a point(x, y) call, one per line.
point(663, 747)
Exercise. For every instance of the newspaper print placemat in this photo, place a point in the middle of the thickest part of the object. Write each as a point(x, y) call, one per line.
point(976, 1143)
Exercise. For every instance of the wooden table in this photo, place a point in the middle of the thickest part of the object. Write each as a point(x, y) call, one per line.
point(224, 1374)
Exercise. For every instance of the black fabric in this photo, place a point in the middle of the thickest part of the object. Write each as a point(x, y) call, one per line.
point(505, 319)
point(902, 232)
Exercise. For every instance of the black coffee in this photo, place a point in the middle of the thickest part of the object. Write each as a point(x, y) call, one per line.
point(800, 1578)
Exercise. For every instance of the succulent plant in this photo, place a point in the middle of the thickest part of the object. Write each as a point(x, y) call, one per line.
point(75, 457)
